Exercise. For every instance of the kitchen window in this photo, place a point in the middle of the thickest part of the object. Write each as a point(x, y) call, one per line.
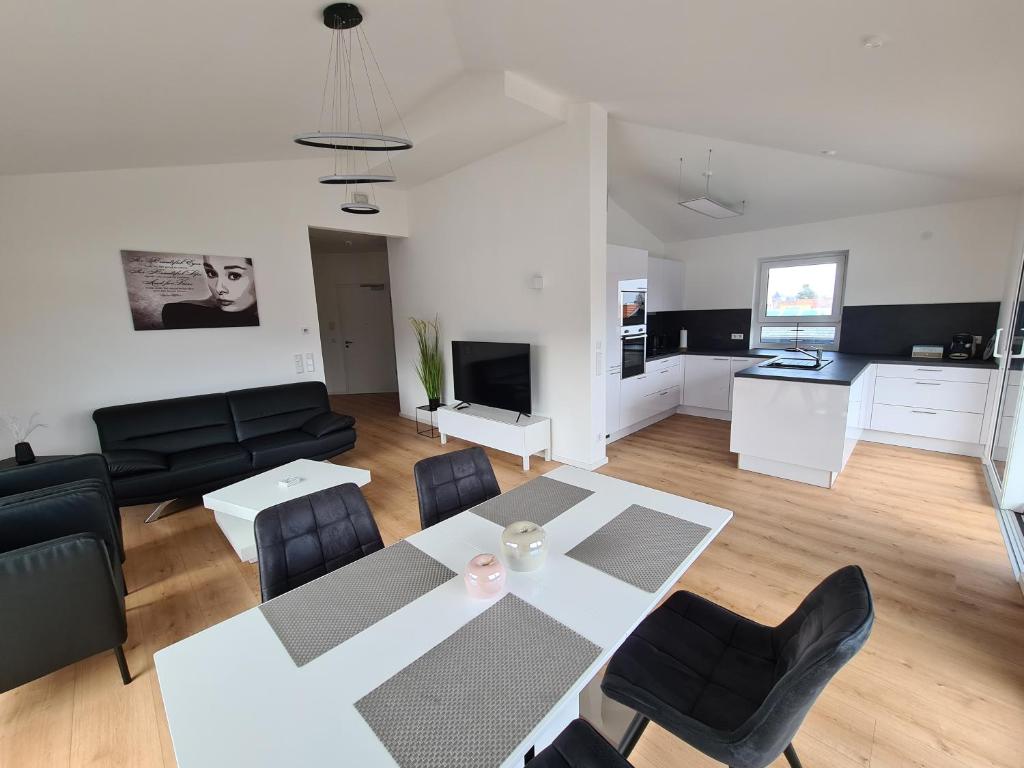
point(800, 301)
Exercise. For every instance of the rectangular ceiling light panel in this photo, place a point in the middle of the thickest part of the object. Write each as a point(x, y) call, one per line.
point(708, 207)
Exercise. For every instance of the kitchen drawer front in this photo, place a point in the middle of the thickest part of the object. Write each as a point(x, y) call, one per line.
point(664, 364)
point(925, 393)
point(658, 380)
point(927, 422)
point(933, 373)
point(662, 400)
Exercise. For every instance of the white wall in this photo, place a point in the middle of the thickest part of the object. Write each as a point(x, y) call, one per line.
point(68, 345)
point(329, 271)
point(623, 229)
point(478, 236)
point(943, 253)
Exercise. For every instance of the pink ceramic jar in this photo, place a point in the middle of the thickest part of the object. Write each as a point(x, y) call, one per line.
point(485, 576)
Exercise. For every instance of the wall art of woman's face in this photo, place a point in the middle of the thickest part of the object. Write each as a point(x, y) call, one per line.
point(231, 282)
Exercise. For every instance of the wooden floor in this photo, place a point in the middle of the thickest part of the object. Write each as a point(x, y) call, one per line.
point(939, 684)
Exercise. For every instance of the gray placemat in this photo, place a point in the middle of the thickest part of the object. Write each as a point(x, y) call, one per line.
point(471, 699)
point(640, 546)
point(540, 501)
point(316, 617)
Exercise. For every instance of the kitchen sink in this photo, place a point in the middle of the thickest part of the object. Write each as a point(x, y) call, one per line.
point(796, 363)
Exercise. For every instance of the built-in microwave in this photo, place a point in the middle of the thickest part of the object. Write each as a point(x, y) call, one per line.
point(634, 355)
point(633, 303)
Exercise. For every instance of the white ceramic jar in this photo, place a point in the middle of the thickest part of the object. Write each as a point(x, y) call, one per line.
point(525, 546)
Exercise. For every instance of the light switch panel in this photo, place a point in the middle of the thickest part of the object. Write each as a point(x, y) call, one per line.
point(737, 337)
point(299, 366)
point(310, 362)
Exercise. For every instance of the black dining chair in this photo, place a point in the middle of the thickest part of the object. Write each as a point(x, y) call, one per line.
point(304, 538)
point(579, 746)
point(452, 483)
point(734, 689)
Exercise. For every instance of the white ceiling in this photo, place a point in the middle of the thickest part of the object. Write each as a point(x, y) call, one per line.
point(122, 83)
point(781, 187)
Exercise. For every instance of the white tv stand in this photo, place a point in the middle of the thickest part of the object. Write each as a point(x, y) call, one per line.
point(497, 428)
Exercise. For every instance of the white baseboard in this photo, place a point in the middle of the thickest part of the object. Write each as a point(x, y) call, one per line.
point(640, 425)
point(589, 466)
point(923, 443)
point(822, 478)
point(707, 413)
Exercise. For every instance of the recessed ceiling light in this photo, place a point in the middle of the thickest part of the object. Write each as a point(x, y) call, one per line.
point(828, 152)
point(873, 41)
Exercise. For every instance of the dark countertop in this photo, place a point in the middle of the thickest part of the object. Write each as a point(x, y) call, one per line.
point(716, 353)
point(843, 370)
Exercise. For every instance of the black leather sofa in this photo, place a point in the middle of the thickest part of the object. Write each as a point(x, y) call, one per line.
point(187, 446)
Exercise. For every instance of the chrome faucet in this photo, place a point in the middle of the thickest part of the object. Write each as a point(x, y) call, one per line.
point(813, 352)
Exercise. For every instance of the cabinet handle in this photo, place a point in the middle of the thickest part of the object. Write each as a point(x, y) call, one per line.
point(928, 413)
point(663, 393)
point(929, 383)
point(926, 370)
point(721, 358)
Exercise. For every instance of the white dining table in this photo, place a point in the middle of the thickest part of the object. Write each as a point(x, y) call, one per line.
point(233, 695)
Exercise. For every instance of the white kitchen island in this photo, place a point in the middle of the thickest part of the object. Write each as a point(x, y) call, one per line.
point(797, 430)
point(803, 425)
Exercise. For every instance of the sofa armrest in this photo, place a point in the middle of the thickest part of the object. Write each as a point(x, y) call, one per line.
point(326, 423)
point(50, 472)
point(133, 461)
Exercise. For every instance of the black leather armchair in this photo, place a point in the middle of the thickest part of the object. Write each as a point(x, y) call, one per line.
point(52, 471)
point(61, 586)
point(452, 483)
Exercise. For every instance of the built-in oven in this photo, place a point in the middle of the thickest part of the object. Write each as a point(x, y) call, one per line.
point(633, 303)
point(634, 353)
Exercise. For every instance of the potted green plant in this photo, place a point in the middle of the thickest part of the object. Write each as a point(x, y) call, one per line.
point(430, 365)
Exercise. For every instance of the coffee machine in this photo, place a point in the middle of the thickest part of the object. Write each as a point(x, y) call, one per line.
point(962, 346)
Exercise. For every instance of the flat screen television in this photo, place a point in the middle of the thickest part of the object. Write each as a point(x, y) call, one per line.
point(492, 373)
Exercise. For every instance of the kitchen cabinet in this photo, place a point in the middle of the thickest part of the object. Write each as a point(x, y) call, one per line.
point(943, 403)
point(650, 393)
point(738, 364)
point(707, 382)
point(664, 285)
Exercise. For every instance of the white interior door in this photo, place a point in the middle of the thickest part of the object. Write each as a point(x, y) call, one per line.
point(366, 337)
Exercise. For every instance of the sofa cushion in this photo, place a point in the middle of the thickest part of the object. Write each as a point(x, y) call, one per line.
point(187, 469)
point(266, 410)
point(325, 423)
point(166, 426)
point(132, 461)
point(282, 447)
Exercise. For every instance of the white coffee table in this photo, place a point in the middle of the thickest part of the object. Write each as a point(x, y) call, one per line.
point(236, 506)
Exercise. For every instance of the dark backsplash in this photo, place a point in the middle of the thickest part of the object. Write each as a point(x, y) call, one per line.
point(706, 329)
point(881, 329)
point(892, 329)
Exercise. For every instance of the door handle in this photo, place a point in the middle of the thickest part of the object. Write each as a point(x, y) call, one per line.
point(348, 343)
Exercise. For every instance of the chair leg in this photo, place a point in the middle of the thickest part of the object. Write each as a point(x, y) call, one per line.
point(634, 731)
point(122, 664)
point(791, 757)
